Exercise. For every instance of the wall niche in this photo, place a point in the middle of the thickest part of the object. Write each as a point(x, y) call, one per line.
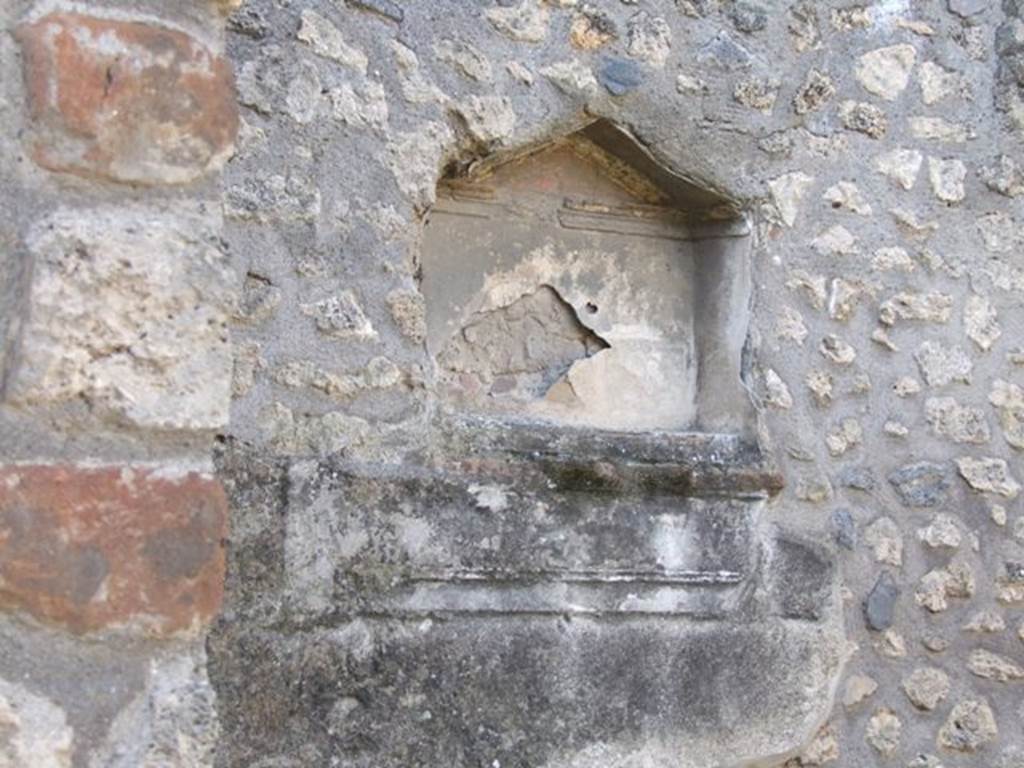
point(582, 284)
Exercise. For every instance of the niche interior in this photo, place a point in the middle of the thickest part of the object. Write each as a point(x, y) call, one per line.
point(583, 285)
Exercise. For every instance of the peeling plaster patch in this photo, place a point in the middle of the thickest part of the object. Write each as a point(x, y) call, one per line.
point(522, 351)
point(638, 382)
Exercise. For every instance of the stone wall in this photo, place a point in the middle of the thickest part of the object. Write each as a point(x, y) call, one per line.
point(215, 360)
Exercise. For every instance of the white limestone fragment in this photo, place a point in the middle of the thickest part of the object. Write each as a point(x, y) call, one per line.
point(941, 533)
point(912, 225)
point(886, 541)
point(905, 386)
point(416, 88)
point(365, 106)
point(926, 687)
point(947, 179)
point(488, 119)
point(941, 364)
point(571, 77)
point(415, 158)
point(789, 324)
point(895, 429)
point(988, 475)
point(847, 435)
point(526, 22)
point(520, 72)
point(930, 128)
point(885, 71)
point(1008, 400)
point(981, 322)
point(787, 192)
point(999, 232)
point(959, 423)
point(821, 384)
point(812, 286)
point(649, 39)
point(847, 195)
point(937, 83)
point(689, 84)
point(464, 58)
point(992, 666)
point(326, 40)
point(883, 732)
point(986, 622)
point(925, 307)
point(900, 165)
point(858, 688)
point(844, 297)
point(776, 392)
point(837, 240)
point(304, 99)
point(837, 350)
point(128, 311)
point(340, 316)
point(969, 727)
point(892, 259)
point(492, 497)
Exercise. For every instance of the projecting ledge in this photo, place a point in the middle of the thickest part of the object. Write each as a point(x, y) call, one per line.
point(599, 461)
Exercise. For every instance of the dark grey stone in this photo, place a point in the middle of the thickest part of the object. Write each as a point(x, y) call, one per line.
point(857, 478)
point(966, 8)
point(725, 52)
point(385, 8)
point(922, 484)
point(881, 603)
point(250, 22)
point(845, 530)
point(801, 576)
point(748, 17)
point(620, 76)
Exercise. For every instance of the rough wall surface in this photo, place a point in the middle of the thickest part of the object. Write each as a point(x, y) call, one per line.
point(210, 239)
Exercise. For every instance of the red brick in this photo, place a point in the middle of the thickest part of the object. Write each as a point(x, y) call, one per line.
point(92, 548)
point(126, 101)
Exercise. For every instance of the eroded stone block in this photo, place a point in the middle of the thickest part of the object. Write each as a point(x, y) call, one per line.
point(447, 599)
point(128, 310)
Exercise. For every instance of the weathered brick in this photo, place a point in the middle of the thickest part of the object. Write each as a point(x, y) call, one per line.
point(91, 548)
point(126, 101)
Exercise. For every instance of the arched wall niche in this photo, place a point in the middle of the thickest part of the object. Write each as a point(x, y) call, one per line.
point(579, 285)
